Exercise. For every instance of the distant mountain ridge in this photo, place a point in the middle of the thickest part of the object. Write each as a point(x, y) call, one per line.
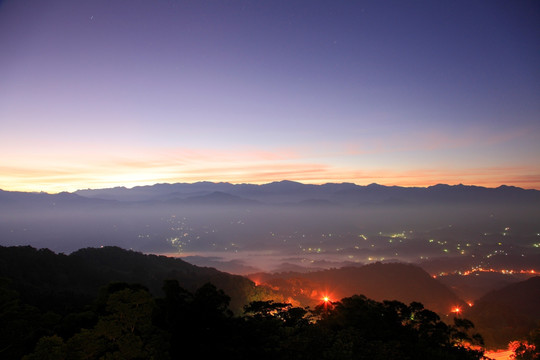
point(281, 193)
point(42, 199)
point(285, 191)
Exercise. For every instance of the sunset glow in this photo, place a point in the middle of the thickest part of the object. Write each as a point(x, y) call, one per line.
point(154, 96)
point(70, 170)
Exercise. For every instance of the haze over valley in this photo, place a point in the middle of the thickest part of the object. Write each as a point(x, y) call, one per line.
point(289, 226)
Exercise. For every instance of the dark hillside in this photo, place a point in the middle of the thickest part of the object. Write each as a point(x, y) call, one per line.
point(378, 281)
point(59, 279)
point(508, 313)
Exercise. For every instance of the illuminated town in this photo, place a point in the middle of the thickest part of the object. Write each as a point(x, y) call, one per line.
point(482, 254)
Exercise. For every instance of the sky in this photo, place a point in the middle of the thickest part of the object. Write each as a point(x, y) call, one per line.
point(107, 93)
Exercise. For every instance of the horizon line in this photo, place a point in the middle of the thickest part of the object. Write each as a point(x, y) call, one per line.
point(127, 187)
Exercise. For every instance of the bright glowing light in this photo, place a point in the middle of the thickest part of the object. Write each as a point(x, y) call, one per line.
point(326, 299)
point(456, 310)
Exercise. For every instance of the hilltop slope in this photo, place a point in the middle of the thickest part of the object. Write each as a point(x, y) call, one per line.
point(58, 279)
point(507, 313)
point(378, 281)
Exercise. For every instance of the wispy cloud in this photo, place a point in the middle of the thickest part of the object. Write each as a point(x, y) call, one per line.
point(70, 167)
point(71, 172)
point(82, 169)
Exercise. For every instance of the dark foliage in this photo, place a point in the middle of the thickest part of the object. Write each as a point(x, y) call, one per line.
point(125, 320)
point(530, 348)
point(130, 324)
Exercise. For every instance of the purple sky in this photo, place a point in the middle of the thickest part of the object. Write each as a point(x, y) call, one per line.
point(106, 93)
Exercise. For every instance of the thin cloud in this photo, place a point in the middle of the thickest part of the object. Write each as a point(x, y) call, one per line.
point(73, 171)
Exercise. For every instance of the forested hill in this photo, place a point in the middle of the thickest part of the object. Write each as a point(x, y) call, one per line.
point(377, 281)
point(508, 313)
point(59, 280)
point(51, 308)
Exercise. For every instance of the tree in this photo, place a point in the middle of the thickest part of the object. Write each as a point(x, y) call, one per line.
point(49, 348)
point(528, 349)
point(211, 302)
point(266, 309)
point(20, 324)
point(124, 330)
point(363, 328)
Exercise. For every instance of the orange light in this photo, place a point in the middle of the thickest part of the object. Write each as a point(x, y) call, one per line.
point(456, 310)
point(326, 299)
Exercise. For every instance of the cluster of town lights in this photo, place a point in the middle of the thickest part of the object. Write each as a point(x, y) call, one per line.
point(479, 269)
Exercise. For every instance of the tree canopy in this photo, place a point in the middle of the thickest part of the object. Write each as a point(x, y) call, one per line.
point(129, 323)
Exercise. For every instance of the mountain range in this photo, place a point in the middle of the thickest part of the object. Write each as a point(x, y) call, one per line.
point(284, 193)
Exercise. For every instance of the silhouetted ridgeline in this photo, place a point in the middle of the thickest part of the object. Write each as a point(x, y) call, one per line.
point(283, 192)
point(293, 192)
point(42, 199)
point(64, 280)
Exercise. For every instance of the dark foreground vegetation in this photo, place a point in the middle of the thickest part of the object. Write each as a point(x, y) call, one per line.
point(126, 322)
point(116, 304)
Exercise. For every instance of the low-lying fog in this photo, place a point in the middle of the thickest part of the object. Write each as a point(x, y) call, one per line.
point(249, 238)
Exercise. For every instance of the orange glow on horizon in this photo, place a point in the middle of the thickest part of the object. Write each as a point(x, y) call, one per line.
point(74, 168)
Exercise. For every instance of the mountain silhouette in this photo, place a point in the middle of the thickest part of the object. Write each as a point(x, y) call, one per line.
point(64, 199)
point(340, 193)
